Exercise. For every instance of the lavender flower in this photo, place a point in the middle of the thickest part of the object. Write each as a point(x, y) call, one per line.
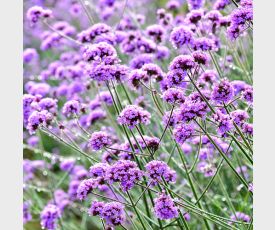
point(26, 212)
point(113, 213)
point(165, 208)
point(36, 13)
point(224, 122)
point(133, 115)
point(240, 217)
point(239, 116)
point(223, 92)
point(49, 217)
point(100, 52)
point(85, 187)
point(124, 171)
point(99, 140)
point(158, 169)
point(183, 62)
point(247, 94)
point(174, 95)
point(182, 132)
point(96, 208)
point(181, 36)
point(98, 170)
point(71, 108)
point(156, 32)
point(176, 78)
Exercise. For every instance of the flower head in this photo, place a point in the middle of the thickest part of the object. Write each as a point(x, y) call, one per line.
point(133, 115)
point(158, 169)
point(100, 140)
point(113, 213)
point(165, 208)
point(223, 92)
point(49, 216)
point(182, 132)
point(85, 187)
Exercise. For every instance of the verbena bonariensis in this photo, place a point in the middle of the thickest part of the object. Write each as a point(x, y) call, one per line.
point(138, 114)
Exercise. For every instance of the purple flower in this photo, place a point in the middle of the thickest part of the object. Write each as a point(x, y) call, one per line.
point(194, 16)
point(36, 13)
point(223, 92)
point(138, 61)
point(173, 119)
point(195, 4)
point(165, 208)
point(208, 77)
point(221, 4)
point(137, 76)
point(124, 171)
point(30, 55)
point(98, 170)
point(181, 36)
point(33, 141)
point(247, 128)
point(156, 32)
point(239, 17)
point(183, 62)
point(100, 52)
point(38, 118)
point(67, 164)
point(71, 108)
point(61, 199)
point(133, 115)
point(224, 122)
point(201, 57)
point(192, 109)
point(113, 213)
point(72, 190)
point(26, 212)
point(240, 217)
point(176, 78)
point(174, 95)
point(94, 116)
point(106, 97)
point(162, 53)
point(99, 140)
point(247, 94)
point(158, 169)
point(91, 33)
point(182, 132)
point(153, 70)
point(85, 187)
point(239, 116)
point(203, 44)
point(96, 208)
point(101, 73)
point(49, 217)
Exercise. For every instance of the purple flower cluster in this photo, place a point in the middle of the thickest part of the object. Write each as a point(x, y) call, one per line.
point(85, 187)
point(112, 213)
point(165, 208)
point(133, 115)
point(156, 170)
point(223, 92)
point(36, 13)
point(99, 140)
point(125, 172)
point(174, 95)
point(182, 132)
point(49, 217)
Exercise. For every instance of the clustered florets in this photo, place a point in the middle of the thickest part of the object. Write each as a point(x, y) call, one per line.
point(133, 115)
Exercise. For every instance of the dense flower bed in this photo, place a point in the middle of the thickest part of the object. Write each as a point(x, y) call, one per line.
point(138, 114)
